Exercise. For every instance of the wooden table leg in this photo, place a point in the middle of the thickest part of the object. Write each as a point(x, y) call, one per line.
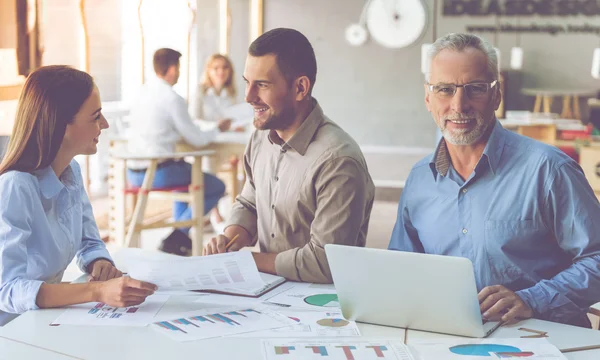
point(566, 108)
point(537, 107)
point(576, 110)
point(133, 237)
point(547, 104)
point(197, 193)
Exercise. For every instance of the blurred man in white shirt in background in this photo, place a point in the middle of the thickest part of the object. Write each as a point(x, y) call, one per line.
point(159, 119)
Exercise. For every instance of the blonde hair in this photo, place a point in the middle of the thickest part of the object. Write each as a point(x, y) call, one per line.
point(206, 83)
point(50, 99)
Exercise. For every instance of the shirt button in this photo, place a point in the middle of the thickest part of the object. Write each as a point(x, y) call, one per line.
point(273, 235)
point(465, 231)
point(464, 191)
point(276, 178)
point(272, 206)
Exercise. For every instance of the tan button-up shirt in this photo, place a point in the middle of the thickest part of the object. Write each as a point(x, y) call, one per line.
point(300, 195)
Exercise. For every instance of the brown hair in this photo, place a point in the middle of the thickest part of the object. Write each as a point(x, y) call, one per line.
point(50, 99)
point(165, 58)
point(206, 83)
point(294, 53)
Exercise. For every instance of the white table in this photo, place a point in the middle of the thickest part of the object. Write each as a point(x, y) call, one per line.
point(100, 342)
point(11, 349)
point(113, 343)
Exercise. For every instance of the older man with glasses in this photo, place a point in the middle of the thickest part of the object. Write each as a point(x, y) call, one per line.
point(520, 210)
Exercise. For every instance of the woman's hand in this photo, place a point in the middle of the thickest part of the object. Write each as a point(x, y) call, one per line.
point(102, 270)
point(123, 291)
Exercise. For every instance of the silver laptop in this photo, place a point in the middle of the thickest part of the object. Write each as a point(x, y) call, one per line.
point(408, 290)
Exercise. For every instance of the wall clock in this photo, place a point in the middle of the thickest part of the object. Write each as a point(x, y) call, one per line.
point(396, 23)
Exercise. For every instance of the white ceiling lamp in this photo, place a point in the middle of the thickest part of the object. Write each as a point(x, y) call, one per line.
point(356, 34)
point(427, 46)
point(596, 63)
point(516, 53)
point(391, 23)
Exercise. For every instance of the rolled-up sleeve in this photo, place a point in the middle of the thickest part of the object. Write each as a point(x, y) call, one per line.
point(344, 193)
point(17, 293)
point(572, 213)
point(243, 212)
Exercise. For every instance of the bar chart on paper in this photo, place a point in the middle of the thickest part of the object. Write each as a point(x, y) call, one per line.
point(204, 325)
point(227, 272)
point(348, 350)
point(102, 314)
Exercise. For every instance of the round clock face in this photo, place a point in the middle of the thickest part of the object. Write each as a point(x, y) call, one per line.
point(396, 23)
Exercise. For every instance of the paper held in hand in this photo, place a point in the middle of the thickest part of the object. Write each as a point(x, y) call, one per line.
point(234, 273)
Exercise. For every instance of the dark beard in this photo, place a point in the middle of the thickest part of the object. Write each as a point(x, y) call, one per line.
point(277, 122)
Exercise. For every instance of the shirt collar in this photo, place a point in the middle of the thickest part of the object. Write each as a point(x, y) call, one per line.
point(305, 133)
point(162, 82)
point(440, 160)
point(212, 92)
point(51, 185)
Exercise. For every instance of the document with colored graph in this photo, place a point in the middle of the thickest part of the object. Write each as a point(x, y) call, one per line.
point(233, 272)
point(311, 324)
point(484, 349)
point(339, 350)
point(210, 324)
point(98, 313)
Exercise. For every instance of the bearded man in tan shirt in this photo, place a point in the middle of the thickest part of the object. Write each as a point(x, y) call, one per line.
point(307, 181)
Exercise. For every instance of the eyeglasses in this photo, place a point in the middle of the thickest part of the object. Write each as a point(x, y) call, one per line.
point(474, 91)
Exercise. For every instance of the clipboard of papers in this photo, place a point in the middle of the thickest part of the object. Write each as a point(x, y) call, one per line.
point(271, 282)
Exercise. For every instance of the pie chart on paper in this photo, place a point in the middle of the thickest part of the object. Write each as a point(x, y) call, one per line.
point(502, 351)
point(323, 300)
point(333, 322)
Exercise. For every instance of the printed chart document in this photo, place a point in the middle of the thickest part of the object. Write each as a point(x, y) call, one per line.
point(102, 314)
point(209, 324)
point(317, 297)
point(339, 350)
point(233, 272)
point(311, 324)
point(485, 349)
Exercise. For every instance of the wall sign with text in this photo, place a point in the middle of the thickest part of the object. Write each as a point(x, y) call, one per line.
point(521, 7)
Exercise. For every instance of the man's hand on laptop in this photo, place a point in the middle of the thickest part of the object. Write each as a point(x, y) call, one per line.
point(497, 303)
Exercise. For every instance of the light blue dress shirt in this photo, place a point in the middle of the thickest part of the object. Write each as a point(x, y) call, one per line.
point(44, 223)
point(526, 217)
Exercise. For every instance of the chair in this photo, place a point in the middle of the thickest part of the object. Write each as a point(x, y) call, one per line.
point(194, 196)
point(594, 315)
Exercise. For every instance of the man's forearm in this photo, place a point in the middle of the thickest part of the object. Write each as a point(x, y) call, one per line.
point(265, 262)
point(568, 294)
